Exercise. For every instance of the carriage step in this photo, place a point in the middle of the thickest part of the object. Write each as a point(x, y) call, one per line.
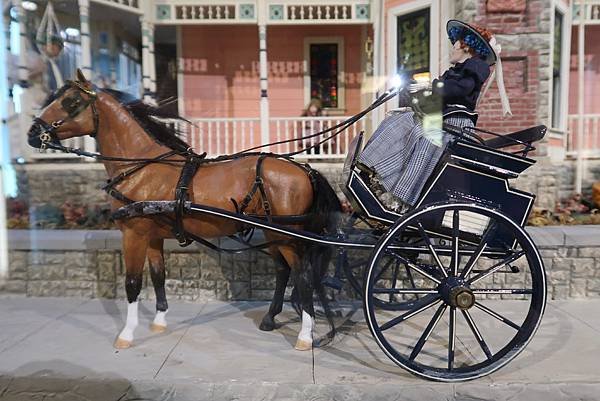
point(333, 282)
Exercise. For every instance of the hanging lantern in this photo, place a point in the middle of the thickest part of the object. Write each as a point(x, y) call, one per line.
point(48, 39)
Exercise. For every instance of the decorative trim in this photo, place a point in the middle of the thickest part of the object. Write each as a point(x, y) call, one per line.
point(246, 11)
point(276, 12)
point(163, 11)
point(363, 11)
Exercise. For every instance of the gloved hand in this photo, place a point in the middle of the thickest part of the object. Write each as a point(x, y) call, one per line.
point(415, 87)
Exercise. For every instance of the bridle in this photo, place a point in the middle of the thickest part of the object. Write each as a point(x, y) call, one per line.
point(73, 106)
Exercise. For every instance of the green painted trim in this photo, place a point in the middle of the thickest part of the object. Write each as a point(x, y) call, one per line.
point(276, 11)
point(246, 11)
point(363, 11)
point(163, 11)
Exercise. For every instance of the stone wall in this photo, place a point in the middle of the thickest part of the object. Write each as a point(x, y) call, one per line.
point(81, 182)
point(90, 264)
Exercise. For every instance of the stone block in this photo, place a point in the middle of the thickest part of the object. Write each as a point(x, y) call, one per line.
point(190, 273)
point(262, 295)
point(589, 252)
point(562, 263)
point(239, 291)
point(173, 272)
point(560, 291)
point(54, 258)
point(578, 288)
point(583, 267)
point(205, 295)
point(77, 273)
point(263, 281)
point(46, 288)
point(174, 287)
point(14, 286)
point(107, 270)
point(47, 272)
point(211, 272)
point(191, 287)
point(17, 261)
point(560, 276)
point(106, 290)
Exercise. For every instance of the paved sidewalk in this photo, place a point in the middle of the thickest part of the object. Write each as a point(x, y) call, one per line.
point(61, 349)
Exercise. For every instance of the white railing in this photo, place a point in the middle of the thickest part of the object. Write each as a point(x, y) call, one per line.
point(285, 128)
point(591, 136)
point(218, 136)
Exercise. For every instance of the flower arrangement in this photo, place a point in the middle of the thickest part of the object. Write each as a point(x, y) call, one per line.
point(69, 215)
point(470, 39)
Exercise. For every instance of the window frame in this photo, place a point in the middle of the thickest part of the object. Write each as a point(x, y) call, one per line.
point(435, 32)
point(339, 41)
point(562, 8)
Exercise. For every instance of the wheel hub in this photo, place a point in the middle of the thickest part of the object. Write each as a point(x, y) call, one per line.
point(455, 292)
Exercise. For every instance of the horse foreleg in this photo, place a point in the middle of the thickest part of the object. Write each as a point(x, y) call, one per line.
point(156, 261)
point(282, 276)
point(134, 253)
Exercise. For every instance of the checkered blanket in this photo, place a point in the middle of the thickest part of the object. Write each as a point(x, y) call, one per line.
point(404, 155)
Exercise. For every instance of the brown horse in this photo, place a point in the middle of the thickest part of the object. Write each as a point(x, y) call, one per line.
point(128, 130)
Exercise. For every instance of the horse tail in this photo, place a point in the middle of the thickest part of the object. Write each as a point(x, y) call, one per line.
point(326, 208)
point(325, 213)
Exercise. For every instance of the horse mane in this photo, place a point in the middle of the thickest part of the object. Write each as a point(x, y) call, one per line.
point(147, 116)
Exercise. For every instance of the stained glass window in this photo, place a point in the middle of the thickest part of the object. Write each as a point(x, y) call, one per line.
point(413, 43)
point(557, 69)
point(324, 73)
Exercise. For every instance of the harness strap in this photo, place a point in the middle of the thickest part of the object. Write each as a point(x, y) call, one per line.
point(181, 195)
point(258, 185)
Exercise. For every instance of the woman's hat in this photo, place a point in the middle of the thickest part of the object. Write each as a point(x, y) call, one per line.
point(458, 30)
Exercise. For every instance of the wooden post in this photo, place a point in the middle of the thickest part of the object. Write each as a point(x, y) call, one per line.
point(85, 62)
point(147, 62)
point(581, 97)
point(263, 71)
point(84, 31)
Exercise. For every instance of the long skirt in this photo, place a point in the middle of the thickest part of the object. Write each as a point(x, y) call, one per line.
point(404, 155)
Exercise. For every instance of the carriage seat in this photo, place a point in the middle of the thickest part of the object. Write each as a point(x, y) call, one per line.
point(528, 136)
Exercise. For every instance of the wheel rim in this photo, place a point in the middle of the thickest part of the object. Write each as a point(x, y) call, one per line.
point(456, 330)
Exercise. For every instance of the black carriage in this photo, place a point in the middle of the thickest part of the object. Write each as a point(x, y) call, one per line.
point(462, 247)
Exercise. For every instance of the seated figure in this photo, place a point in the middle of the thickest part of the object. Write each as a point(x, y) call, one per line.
point(405, 148)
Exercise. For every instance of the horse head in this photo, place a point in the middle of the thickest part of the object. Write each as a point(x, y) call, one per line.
point(69, 112)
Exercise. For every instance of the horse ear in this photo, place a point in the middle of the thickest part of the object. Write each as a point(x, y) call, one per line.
point(81, 77)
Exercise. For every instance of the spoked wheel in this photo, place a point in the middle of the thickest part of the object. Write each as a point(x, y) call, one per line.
point(479, 304)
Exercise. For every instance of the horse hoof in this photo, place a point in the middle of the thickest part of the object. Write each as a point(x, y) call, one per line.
point(267, 324)
point(122, 344)
point(303, 345)
point(157, 328)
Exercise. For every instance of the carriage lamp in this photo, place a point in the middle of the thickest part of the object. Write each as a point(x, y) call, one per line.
point(396, 82)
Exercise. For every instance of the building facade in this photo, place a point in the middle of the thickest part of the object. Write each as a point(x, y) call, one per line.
point(244, 71)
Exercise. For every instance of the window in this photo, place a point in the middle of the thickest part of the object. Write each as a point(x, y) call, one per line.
point(557, 68)
point(324, 71)
point(413, 52)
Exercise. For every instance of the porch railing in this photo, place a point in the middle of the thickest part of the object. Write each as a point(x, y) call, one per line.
point(591, 136)
point(217, 136)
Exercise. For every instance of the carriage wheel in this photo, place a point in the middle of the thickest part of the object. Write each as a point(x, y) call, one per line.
point(355, 270)
point(477, 310)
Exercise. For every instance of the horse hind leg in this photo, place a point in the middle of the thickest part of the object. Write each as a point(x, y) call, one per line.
point(156, 261)
point(282, 277)
point(134, 253)
point(301, 274)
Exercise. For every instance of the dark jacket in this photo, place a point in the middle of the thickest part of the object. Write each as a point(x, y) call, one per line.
point(462, 84)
